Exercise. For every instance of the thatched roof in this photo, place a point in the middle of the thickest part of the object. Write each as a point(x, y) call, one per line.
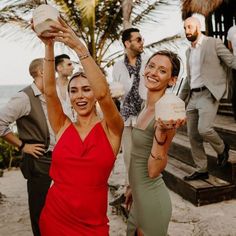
point(204, 7)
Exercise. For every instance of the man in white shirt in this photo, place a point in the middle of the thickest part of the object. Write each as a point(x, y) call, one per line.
point(129, 72)
point(203, 88)
point(231, 37)
point(64, 69)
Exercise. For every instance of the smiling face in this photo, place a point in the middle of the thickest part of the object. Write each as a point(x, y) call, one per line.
point(81, 96)
point(158, 73)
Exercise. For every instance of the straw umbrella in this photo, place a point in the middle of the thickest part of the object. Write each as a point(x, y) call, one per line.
point(204, 7)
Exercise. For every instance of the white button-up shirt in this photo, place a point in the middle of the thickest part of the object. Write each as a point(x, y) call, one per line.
point(195, 65)
point(120, 74)
point(231, 36)
point(19, 106)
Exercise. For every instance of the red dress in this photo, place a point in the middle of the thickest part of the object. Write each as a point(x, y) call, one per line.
point(76, 204)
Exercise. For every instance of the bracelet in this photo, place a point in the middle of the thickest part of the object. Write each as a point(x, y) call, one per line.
point(156, 158)
point(84, 56)
point(160, 143)
point(45, 59)
point(22, 145)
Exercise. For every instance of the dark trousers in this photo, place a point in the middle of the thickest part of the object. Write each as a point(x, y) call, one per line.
point(38, 182)
point(37, 187)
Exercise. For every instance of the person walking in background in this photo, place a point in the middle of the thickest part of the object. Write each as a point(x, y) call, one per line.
point(231, 37)
point(150, 211)
point(129, 72)
point(202, 90)
point(76, 203)
point(64, 69)
point(36, 139)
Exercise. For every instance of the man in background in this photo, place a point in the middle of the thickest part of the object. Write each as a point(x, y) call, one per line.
point(129, 72)
point(203, 88)
point(231, 37)
point(64, 68)
point(35, 139)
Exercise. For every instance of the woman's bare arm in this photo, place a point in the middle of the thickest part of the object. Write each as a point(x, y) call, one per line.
point(94, 75)
point(161, 142)
point(56, 115)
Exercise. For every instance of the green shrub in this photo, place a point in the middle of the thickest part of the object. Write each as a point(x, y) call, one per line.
point(9, 155)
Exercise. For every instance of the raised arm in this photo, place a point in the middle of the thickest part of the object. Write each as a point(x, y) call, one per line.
point(56, 116)
point(94, 75)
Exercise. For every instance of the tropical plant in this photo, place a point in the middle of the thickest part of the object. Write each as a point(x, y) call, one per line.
point(9, 155)
point(98, 22)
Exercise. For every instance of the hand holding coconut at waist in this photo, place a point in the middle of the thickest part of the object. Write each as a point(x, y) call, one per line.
point(170, 112)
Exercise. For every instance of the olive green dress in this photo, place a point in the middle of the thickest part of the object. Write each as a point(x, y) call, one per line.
point(151, 208)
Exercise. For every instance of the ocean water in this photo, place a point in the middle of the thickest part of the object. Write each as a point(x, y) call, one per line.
point(7, 91)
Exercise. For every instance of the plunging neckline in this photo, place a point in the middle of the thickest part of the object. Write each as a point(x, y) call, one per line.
point(148, 124)
point(88, 134)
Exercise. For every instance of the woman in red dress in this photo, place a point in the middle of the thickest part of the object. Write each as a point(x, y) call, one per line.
point(85, 152)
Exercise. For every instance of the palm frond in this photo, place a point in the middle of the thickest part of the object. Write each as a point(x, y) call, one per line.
point(17, 11)
point(87, 8)
point(166, 42)
point(148, 10)
point(98, 22)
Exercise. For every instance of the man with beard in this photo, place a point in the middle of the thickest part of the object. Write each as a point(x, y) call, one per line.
point(204, 86)
point(129, 72)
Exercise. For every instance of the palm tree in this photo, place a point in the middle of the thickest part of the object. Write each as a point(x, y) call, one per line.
point(98, 22)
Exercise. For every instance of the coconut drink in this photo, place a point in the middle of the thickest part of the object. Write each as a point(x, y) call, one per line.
point(170, 107)
point(43, 17)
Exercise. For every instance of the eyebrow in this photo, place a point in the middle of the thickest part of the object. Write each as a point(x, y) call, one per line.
point(83, 86)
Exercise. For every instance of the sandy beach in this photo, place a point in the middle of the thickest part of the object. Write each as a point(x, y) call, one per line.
point(187, 220)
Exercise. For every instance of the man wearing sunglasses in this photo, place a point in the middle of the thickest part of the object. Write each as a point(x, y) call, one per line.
point(129, 72)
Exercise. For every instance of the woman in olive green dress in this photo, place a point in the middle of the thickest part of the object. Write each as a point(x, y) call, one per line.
point(150, 211)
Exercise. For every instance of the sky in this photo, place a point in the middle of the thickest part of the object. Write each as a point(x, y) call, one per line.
point(16, 55)
point(15, 59)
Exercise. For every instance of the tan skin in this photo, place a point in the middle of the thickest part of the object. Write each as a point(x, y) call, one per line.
point(83, 92)
point(158, 75)
point(230, 46)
